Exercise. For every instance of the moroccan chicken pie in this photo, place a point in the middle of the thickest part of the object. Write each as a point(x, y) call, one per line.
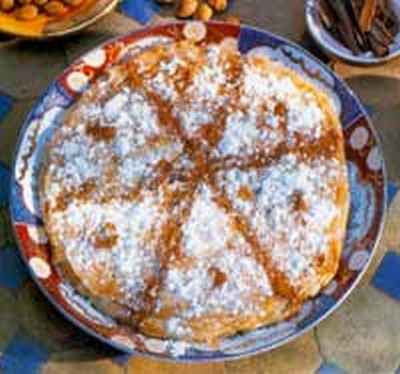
point(195, 192)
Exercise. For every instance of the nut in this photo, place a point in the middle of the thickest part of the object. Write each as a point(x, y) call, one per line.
point(55, 8)
point(6, 5)
point(27, 12)
point(233, 19)
point(165, 1)
point(187, 8)
point(40, 2)
point(204, 12)
point(218, 5)
point(24, 2)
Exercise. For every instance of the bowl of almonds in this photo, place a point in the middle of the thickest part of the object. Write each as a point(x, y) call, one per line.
point(41, 19)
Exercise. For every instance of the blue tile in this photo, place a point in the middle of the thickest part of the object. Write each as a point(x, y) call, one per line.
point(6, 103)
point(392, 190)
point(140, 10)
point(387, 277)
point(4, 184)
point(330, 368)
point(12, 270)
point(23, 355)
point(13, 273)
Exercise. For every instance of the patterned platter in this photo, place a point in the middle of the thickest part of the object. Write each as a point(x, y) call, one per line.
point(366, 173)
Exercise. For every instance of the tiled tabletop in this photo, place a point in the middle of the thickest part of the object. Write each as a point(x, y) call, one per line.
point(362, 336)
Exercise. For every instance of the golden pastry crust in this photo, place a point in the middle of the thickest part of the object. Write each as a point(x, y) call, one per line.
point(196, 193)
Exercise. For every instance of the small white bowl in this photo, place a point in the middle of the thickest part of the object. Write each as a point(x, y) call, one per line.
point(337, 50)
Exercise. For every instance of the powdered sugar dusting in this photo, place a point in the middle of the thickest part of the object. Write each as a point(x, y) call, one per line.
point(203, 137)
point(244, 134)
point(302, 112)
point(208, 231)
point(163, 82)
point(244, 291)
point(130, 260)
point(201, 99)
point(217, 250)
point(208, 82)
point(142, 164)
point(291, 209)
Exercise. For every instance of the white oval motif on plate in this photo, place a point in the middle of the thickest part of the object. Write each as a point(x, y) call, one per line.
point(40, 267)
point(77, 81)
point(95, 58)
point(37, 234)
point(358, 260)
point(359, 138)
point(195, 31)
point(123, 340)
point(156, 345)
point(374, 160)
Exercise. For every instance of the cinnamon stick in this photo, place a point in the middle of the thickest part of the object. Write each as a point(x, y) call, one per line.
point(380, 25)
point(354, 8)
point(378, 48)
point(327, 15)
point(367, 15)
point(345, 25)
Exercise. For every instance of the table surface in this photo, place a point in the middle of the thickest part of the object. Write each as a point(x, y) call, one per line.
point(362, 336)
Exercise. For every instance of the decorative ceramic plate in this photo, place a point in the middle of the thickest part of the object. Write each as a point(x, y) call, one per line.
point(366, 173)
point(86, 15)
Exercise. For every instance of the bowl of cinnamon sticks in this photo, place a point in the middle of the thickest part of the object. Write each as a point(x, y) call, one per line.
point(361, 32)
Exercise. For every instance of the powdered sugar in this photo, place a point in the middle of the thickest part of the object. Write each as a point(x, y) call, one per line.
point(127, 163)
point(192, 119)
point(163, 82)
point(142, 164)
point(114, 106)
point(197, 105)
point(132, 122)
point(244, 135)
point(294, 231)
point(208, 231)
point(211, 77)
point(243, 292)
point(129, 261)
point(303, 114)
point(128, 111)
point(78, 167)
point(218, 251)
